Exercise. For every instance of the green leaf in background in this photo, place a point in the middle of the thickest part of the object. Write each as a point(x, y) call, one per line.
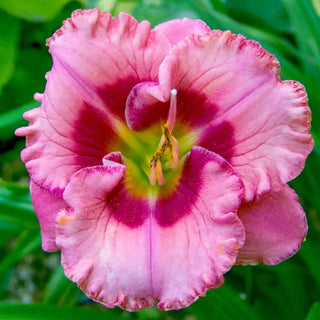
point(60, 290)
point(159, 11)
point(32, 60)
point(27, 242)
point(269, 14)
point(31, 66)
point(16, 210)
point(122, 5)
point(11, 120)
point(307, 28)
point(52, 312)
point(113, 6)
point(103, 5)
point(223, 304)
point(314, 313)
point(9, 37)
point(33, 10)
point(11, 166)
point(316, 6)
point(172, 9)
point(306, 32)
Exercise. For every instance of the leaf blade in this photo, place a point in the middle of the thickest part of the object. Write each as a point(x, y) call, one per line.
point(9, 37)
point(52, 312)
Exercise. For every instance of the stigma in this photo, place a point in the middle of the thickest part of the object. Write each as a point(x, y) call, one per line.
point(168, 144)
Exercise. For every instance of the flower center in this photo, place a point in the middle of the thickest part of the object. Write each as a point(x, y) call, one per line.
point(168, 143)
point(153, 167)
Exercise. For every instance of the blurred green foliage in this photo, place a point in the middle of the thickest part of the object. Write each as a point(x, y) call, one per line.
point(290, 29)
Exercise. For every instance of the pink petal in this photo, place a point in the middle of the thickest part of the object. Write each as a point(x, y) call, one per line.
point(197, 234)
point(230, 94)
point(146, 103)
point(213, 72)
point(97, 60)
point(177, 30)
point(108, 55)
point(65, 134)
point(269, 136)
point(275, 227)
point(107, 256)
point(182, 247)
point(46, 207)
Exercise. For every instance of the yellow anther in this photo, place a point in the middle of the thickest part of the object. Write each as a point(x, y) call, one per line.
point(167, 143)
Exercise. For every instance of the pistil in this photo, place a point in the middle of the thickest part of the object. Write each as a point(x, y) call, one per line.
point(168, 143)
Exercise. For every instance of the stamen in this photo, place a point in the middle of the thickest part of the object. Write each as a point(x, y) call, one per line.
point(153, 173)
point(167, 142)
point(172, 110)
point(160, 176)
point(173, 145)
point(175, 154)
point(156, 169)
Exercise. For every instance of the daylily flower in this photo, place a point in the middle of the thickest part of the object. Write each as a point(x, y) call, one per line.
point(160, 158)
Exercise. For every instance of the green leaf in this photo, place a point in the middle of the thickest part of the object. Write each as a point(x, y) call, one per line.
point(310, 251)
point(51, 312)
point(33, 10)
point(307, 27)
point(16, 210)
point(121, 5)
point(9, 37)
point(103, 5)
point(292, 280)
point(159, 11)
point(7, 233)
point(314, 313)
point(11, 166)
point(11, 120)
point(223, 304)
point(269, 14)
point(218, 20)
point(316, 6)
point(60, 290)
point(27, 242)
point(155, 314)
point(30, 69)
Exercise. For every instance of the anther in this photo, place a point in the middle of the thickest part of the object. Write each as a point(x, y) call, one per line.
point(167, 142)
